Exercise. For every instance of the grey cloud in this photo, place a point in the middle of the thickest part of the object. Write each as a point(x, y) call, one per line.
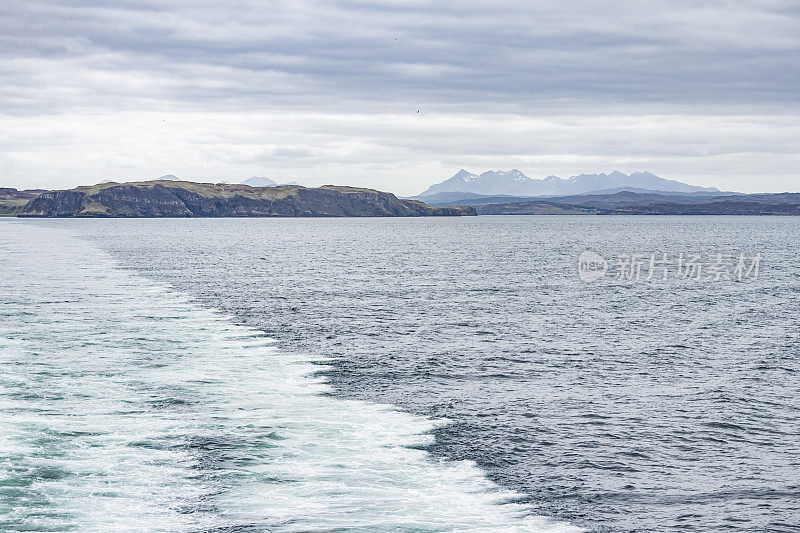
point(523, 55)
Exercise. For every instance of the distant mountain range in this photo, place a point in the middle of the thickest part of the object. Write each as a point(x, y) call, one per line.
point(515, 183)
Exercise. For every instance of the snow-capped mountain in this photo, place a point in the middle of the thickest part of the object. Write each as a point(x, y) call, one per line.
point(515, 183)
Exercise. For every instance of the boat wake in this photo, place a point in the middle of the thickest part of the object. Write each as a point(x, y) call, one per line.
point(128, 406)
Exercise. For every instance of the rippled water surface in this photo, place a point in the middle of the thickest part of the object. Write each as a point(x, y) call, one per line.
point(141, 381)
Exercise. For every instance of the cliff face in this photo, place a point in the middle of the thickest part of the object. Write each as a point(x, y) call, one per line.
point(186, 199)
point(13, 201)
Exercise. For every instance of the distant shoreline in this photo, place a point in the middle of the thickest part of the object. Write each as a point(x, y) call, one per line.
point(183, 199)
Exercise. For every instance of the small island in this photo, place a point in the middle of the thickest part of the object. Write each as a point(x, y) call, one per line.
point(166, 198)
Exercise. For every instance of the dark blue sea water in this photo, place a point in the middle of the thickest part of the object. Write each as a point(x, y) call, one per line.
point(618, 405)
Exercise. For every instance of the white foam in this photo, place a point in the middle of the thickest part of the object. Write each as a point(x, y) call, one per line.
point(129, 407)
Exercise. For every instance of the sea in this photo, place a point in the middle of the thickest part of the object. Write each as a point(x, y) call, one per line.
point(492, 373)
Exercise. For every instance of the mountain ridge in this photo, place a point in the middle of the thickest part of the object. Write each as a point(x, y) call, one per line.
point(515, 183)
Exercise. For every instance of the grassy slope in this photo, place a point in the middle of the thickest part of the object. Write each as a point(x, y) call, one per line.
point(9, 207)
point(210, 190)
point(223, 190)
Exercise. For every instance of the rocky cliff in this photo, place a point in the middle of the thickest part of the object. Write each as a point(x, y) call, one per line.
point(165, 198)
point(13, 201)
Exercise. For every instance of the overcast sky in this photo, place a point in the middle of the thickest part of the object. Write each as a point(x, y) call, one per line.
point(397, 95)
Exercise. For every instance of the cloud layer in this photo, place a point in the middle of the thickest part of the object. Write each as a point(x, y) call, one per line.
point(695, 90)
